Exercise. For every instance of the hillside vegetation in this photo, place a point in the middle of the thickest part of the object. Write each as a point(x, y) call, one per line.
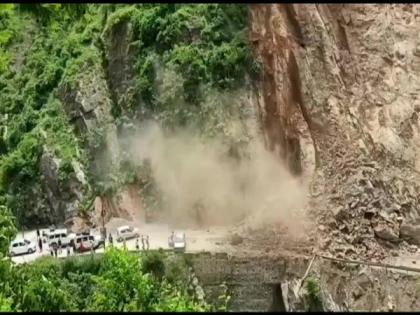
point(178, 64)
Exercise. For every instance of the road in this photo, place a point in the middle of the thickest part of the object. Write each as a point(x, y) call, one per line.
point(213, 240)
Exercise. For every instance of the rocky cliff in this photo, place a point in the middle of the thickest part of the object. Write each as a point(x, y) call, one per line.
point(338, 98)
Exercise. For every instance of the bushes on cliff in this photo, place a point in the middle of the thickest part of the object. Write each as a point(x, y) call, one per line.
point(203, 45)
point(32, 116)
point(313, 299)
point(7, 229)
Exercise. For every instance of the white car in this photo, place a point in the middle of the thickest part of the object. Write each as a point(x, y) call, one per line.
point(19, 247)
point(178, 241)
point(126, 232)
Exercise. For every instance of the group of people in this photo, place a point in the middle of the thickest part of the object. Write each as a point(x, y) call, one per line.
point(144, 242)
point(145, 245)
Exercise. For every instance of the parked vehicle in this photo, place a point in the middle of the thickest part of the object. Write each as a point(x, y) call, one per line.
point(126, 232)
point(23, 246)
point(177, 241)
point(59, 234)
point(84, 243)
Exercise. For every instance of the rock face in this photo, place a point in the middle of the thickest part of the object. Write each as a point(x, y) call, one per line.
point(63, 198)
point(87, 104)
point(120, 51)
point(340, 81)
point(54, 201)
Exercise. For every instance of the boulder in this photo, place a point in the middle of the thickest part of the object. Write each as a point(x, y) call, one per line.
point(363, 281)
point(236, 239)
point(410, 233)
point(386, 233)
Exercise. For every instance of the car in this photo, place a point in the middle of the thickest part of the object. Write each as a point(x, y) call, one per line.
point(73, 236)
point(84, 243)
point(59, 234)
point(177, 241)
point(23, 246)
point(126, 232)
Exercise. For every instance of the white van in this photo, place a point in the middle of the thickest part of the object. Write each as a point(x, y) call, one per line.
point(59, 234)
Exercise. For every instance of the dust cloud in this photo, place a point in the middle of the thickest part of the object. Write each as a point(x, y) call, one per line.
point(188, 170)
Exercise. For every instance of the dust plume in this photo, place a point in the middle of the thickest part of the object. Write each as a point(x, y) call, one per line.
point(189, 170)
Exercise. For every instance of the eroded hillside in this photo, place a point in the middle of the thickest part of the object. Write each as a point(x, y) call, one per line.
point(330, 90)
point(339, 91)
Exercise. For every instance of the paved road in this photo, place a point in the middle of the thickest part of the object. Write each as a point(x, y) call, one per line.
point(197, 240)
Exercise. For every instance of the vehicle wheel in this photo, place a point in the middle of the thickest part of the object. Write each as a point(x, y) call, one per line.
point(30, 251)
point(12, 254)
point(119, 239)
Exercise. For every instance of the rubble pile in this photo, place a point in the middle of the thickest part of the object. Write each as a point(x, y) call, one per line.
point(371, 208)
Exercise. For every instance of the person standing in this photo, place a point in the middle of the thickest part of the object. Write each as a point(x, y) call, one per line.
point(171, 241)
point(68, 250)
point(110, 239)
point(137, 243)
point(142, 242)
point(147, 242)
point(40, 244)
point(59, 245)
point(55, 250)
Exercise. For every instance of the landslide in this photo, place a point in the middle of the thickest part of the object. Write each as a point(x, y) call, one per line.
point(338, 101)
point(330, 89)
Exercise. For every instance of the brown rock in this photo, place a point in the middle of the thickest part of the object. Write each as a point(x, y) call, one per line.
point(384, 232)
point(410, 233)
point(412, 248)
point(236, 239)
point(357, 293)
point(364, 281)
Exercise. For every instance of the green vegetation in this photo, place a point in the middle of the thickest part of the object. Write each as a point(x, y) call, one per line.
point(118, 281)
point(7, 230)
point(33, 116)
point(184, 51)
point(115, 282)
point(313, 299)
point(185, 64)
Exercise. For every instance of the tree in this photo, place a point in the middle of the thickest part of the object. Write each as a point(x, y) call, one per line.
point(119, 283)
point(7, 229)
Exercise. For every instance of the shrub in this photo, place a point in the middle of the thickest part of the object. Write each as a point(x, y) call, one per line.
point(313, 295)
